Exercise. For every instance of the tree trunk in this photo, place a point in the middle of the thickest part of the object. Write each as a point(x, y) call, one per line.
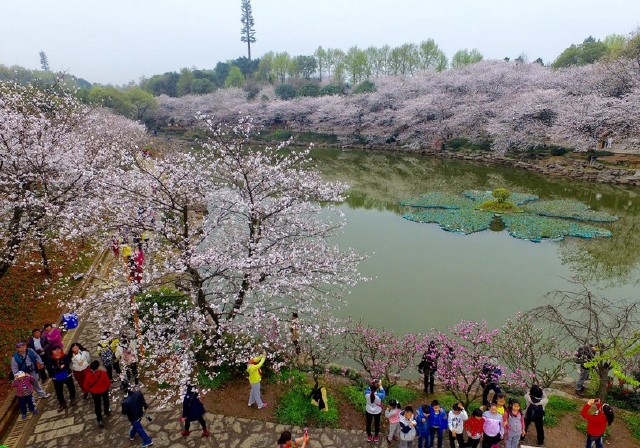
point(43, 255)
point(603, 374)
point(249, 49)
point(11, 248)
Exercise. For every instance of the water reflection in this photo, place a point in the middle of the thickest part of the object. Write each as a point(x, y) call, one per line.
point(380, 179)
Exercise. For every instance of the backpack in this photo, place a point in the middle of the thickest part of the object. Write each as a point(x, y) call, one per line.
point(408, 436)
point(106, 355)
point(22, 363)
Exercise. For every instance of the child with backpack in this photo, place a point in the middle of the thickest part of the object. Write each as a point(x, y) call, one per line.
point(106, 350)
point(25, 384)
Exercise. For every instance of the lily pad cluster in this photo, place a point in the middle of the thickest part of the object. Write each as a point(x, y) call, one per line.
point(535, 220)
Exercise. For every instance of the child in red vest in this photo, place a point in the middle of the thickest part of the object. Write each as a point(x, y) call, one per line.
point(24, 384)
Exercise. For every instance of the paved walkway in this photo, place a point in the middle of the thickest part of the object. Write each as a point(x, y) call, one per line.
point(77, 426)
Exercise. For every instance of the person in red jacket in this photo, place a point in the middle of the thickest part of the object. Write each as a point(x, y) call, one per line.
point(596, 422)
point(97, 383)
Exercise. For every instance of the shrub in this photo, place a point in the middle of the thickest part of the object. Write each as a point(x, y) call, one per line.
point(501, 194)
point(295, 408)
point(457, 143)
point(332, 89)
point(309, 89)
point(604, 153)
point(365, 87)
point(558, 151)
point(285, 91)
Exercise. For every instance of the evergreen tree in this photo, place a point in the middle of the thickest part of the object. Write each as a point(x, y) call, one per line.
point(44, 61)
point(247, 33)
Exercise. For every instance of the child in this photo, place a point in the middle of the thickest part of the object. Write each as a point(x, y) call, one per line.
point(437, 422)
point(424, 440)
point(287, 441)
point(407, 428)
point(473, 428)
point(392, 413)
point(106, 351)
point(455, 422)
point(501, 402)
point(597, 422)
point(492, 429)
point(24, 384)
point(513, 421)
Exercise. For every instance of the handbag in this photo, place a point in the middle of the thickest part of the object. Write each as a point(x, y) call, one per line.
point(61, 376)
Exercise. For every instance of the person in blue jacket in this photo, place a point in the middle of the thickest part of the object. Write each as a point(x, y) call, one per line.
point(192, 410)
point(437, 423)
point(424, 436)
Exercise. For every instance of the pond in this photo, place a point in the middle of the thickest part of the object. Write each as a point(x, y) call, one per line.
point(423, 277)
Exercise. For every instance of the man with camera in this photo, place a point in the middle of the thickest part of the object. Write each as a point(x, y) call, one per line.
point(133, 406)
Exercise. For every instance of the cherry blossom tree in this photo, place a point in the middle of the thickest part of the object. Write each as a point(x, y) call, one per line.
point(464, 351)
point(54, 152)
point(244, 232)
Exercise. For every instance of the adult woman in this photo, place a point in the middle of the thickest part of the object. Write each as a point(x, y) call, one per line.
point(80, 360)
point(374, 394)
point(192, 410)
point(596, 422)
point(286, 441)
point(53, 335)
point(536, 400)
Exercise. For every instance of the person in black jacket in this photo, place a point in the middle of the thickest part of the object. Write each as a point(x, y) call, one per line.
point(133, 406)
point(59, 367)
point(192, 410)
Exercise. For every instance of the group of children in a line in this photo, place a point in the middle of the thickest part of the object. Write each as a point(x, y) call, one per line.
point(499, 420)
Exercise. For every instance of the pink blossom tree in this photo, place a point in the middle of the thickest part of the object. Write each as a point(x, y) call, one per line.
point(464, 352)
point(530, 353)
point(381, 353)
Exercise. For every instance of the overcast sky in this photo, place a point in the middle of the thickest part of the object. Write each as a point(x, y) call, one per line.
point(117, 41)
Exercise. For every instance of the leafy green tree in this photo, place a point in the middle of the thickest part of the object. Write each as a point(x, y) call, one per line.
point(306, 66)
point(465, 57)
point(247, 66)
point(162, 84)
point(309, 89)
point(202, 85)
point(431, 56)
point(264, 68)
point(614, 42)
point(357, 64)
point(321, 57)
point(378, 59)
point(588, 52)
point(111, 98)
point(141, 102)
point(247, 32)
point(220, 73)
point(235, 78)
point(403, 60)
point(183, 86)
point(280, 66)
point(44, 61)
point(285, 91)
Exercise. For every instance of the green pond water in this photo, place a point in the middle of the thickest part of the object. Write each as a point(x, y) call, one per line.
point(423, 277)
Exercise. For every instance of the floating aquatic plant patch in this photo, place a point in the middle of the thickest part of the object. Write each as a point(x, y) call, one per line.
point(459, 221)
point(439, 199)
point(568, 208)
point(475, 211)
point(484, 196)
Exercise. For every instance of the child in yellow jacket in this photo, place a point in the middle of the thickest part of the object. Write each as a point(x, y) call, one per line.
point(255, 376)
